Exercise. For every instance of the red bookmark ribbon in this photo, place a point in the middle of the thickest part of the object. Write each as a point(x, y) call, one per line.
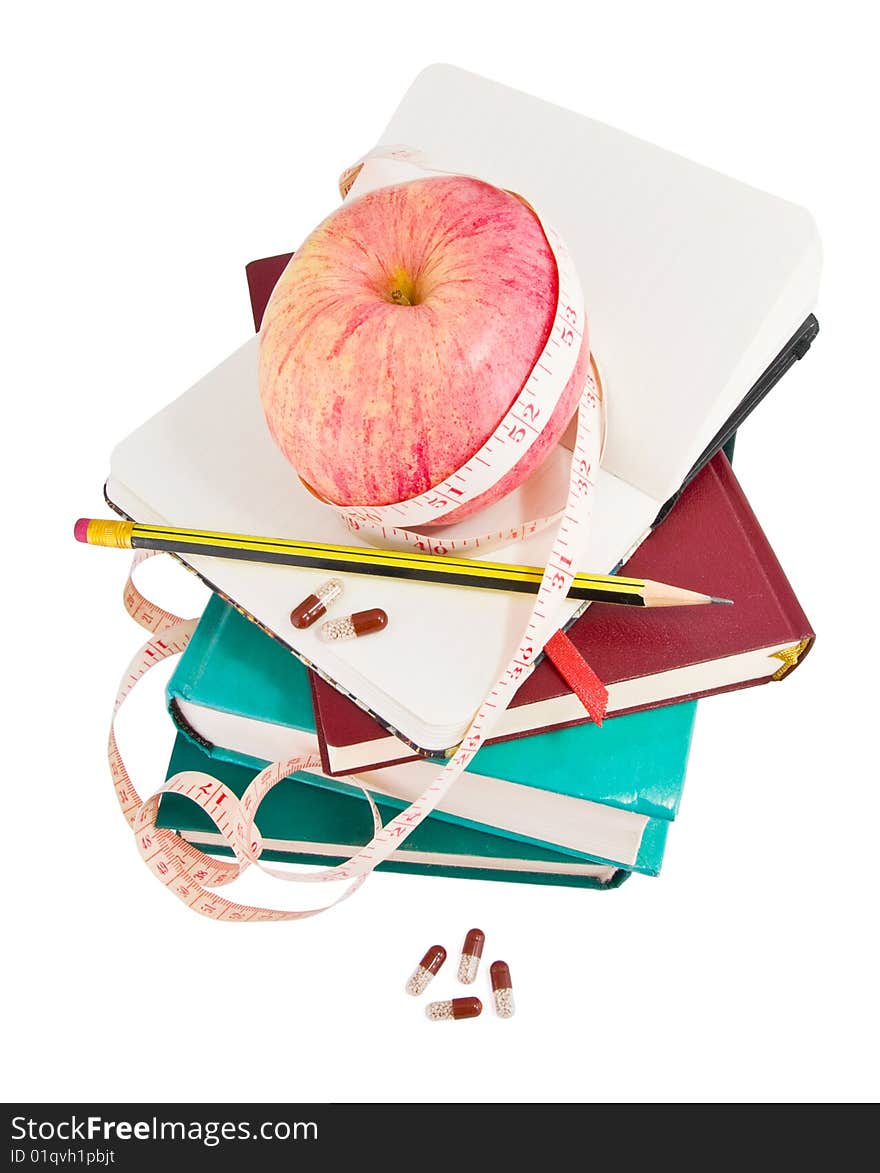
point(578, 675)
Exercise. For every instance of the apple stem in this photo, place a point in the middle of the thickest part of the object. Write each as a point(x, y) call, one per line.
point(403, 288)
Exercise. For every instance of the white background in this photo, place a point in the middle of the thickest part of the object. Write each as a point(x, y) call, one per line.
point(150, 153)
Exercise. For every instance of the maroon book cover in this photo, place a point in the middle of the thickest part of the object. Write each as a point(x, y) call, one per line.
point(711, 542)
point(262, 277)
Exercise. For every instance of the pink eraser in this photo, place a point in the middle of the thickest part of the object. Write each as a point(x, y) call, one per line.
point(81, 530)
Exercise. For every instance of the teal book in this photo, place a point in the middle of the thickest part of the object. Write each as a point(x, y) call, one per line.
point(604, 793)
point(306, 824)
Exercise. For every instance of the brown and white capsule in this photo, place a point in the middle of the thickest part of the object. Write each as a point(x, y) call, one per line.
point(423, 974)
point(453, 1009)
point(471, 952)
point(312, 607)
point(502, 989)
point(354, 626)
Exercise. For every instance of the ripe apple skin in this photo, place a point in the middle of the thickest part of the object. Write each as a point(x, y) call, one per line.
point(399, 335)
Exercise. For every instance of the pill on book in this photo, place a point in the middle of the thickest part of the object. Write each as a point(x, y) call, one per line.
point(424, 972)
point(354, 626)
point(453, 1009)
point(471, 952)
point(502, 988)
point(314, 606)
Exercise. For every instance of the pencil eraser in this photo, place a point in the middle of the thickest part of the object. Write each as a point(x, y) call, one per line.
point(81, 530)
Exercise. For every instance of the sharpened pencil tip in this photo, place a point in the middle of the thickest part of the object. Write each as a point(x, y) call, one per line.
point(726, 602)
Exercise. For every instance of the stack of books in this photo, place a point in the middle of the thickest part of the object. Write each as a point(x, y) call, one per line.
point(554, 798)
point(700, 292)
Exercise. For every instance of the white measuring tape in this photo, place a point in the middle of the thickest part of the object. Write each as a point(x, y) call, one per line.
point(190, 873)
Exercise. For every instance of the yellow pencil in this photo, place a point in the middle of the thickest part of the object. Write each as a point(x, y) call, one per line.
point(445, 569)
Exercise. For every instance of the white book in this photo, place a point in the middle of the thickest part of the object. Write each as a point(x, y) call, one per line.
point(693, 282)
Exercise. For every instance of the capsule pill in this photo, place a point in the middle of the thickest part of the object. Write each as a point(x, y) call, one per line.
point(471, 952)
point(424, 972)
point(502, 989)
point(354, 626)
point(453, 1009)
point(312, 607)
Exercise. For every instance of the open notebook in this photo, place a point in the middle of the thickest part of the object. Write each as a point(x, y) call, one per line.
point(699, 291)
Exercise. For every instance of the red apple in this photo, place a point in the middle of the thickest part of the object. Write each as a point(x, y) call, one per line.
point(399, 335)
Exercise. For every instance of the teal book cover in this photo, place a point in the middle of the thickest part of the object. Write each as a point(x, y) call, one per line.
point(233, 670)
point(306, 824)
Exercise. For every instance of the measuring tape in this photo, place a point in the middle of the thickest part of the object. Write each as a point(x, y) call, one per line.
point(185, 870)
point(190, 873)
point(453, 540)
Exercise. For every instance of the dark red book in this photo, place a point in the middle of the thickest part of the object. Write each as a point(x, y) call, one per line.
point(262, 277)
point(711, 541)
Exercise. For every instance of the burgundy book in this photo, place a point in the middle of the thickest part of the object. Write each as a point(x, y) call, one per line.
point(711, 541)
point(262, 277)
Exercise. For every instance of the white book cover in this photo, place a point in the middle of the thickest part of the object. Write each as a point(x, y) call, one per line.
point(693, 283)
